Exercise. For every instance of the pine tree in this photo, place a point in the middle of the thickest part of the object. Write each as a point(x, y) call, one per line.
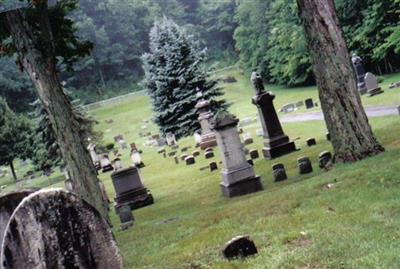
point(173, 71)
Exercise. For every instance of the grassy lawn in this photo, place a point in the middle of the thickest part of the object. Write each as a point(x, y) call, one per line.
point(298, 223)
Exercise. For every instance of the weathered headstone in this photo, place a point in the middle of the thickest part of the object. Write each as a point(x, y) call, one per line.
point(276, 143)
point(171, 153)
point(170, 138)
point(209, 154)
point(238, 177)
point(105, 163)
point(129, 189)
point(311, 142)
point(247, 139)
point(360, 72)
point(288, 108)
point(117, 164)
point(196, 153)
point(126, 217)
point(324, 158)
point(254, 154)
point(279, 172)
point(299, 103)
point(56, 229)
point(239, 247)
point(207, 135)
point(372, 85)
point(309, 103)
point(190, 160)
point(213, 166)
point(137, 159)
point(304, 165)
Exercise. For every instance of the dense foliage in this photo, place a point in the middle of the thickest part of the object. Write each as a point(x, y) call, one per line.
point(174, 73)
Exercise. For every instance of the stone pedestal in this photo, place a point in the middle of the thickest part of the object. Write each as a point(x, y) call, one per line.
point(205, 115)
point(129, 189)
point(276, 143)
point(238, 177)
point(360, 73)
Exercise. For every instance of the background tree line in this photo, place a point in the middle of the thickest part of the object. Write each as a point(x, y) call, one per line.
point(264, 35)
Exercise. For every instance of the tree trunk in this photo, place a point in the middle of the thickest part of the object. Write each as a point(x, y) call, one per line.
point(36, 54)
point(347, 123)
point(13, 171)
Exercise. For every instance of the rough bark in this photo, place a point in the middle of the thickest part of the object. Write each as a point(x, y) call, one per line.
point(13, 171)
point(37, 58)
point(56, 229)
point(346, 120)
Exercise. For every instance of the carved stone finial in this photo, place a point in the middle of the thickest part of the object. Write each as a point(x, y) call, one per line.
point(257, 83)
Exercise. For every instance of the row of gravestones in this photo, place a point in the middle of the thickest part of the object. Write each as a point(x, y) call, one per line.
point(54, 229)
point(309, 103)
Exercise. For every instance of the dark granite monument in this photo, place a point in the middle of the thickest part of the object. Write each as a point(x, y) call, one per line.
point(304, 165)
point(276, 142)
point(360, 72)
point(238, 177)
point(129, 189)
point(279, 172)
point(324, 158)
point(239, 247)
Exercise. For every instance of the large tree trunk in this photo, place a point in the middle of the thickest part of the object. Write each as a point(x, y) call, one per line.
point(13, 171)
point(351, 134)
point(36, 54)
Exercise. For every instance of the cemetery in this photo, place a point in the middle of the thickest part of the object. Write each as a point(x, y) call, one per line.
point(237, 171)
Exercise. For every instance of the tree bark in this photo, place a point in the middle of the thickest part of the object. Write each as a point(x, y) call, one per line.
point(347, 122)
point(13, 171)
point(36, 55)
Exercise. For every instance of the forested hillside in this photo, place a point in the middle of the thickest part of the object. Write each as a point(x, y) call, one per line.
point(263, 35)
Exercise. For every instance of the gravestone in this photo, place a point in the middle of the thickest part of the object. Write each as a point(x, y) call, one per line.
point(93, 155)
point(239, 247)
point(184, 149)
point(183, 157)
point(117, 164)
point(8, 203)
point(196, 153)
point(259, 132)
point(245, 122)
point(161, 150)
point(309, 103)
point(171, 153)
point(304, 165)
point(170, 138)
point(238, 177)
point(360, 73)
point(213, 166)
point(105, 163)
point(247, 139)
point(126, 217)
point(254, 154)
point(288, 108)
point(299, 103)
point(209, 154)
point(190, 160)
point(372, 85)
point(137, 159)
point(324, 158)
point(311, 142)
point(208, 149)
point(276, 143)
point(129, 189)
point(279, 172)
point(207, 135)
point(54, 228)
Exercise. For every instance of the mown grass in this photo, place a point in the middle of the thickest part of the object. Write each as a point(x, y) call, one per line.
point(298, 223)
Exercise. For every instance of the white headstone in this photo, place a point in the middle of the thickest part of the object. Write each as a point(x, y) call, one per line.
point(371, 82)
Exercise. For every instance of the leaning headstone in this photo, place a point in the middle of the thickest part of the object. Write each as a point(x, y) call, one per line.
point(324, 158)
point(129, 189)
point(372, 85)
point(213, 166)
point(279, 172)
point(239, 247)
point(54, 228)
point(126, 217)
point(238, 177)
point(360, 72)
point(208, 154)
point(207, 135)
point(8, 203)
point(311, 142)
point(304, 165)
point(276, 143)
point(254, 154)
point(175, 147)
point(309, 103)
point(190, 160)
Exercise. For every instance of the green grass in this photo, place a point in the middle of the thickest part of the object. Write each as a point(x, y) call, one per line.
point(298, 223)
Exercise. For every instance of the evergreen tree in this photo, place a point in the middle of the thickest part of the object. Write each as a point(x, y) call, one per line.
point(173, 71)
point(15, 136)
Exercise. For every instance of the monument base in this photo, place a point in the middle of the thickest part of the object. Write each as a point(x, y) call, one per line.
point(134, 199)
point(375, 92)
point(245, 186)
point(279, 150)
